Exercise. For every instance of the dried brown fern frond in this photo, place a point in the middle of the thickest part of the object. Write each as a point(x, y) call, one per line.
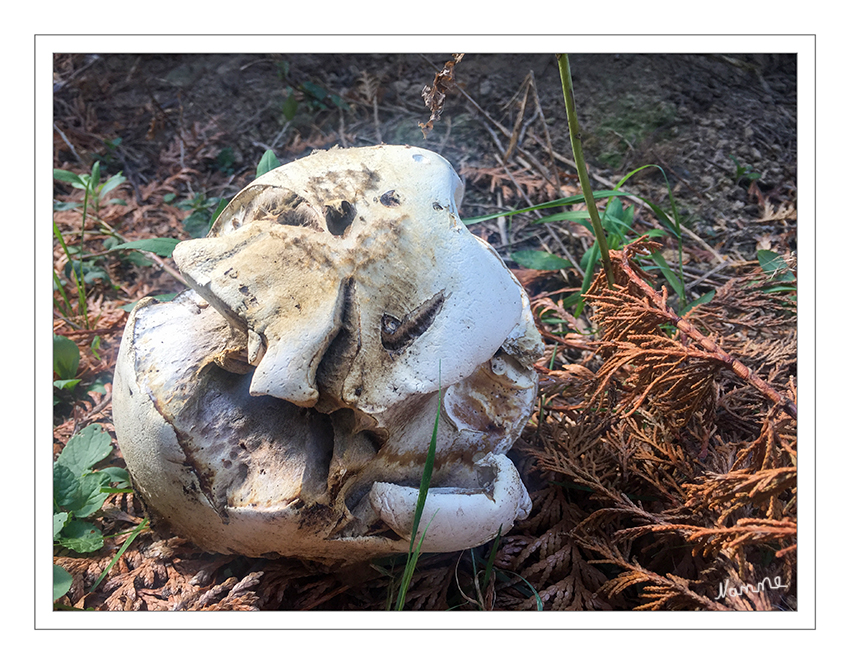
point(681, 457)
point(661, 375)
point(561, 387)
point(778, 534)
point(715, 559)
point(775, 446)
point(633, 308)
point(574, 449)
point(552, 562)
point(746, 303)
point(654, 591)
point(758, 492)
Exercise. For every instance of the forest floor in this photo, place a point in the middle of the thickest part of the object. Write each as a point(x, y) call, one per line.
point(647, 503)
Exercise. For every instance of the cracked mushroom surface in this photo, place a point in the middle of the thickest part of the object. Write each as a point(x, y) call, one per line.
point(285, 403)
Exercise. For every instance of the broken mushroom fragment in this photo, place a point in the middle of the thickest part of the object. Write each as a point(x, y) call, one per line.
point(285, 403)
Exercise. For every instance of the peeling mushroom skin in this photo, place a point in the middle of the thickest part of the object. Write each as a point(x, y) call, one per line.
point(452, 515)
point(285, 403)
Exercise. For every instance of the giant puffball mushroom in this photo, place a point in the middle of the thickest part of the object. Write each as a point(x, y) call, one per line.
point(284, 404)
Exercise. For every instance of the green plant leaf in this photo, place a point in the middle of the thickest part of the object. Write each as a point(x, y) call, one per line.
point(59, 520)
point(120, 553)
point(424, 485)
point(268, 162)
point(112, 182)
point(94, 180)
point(165, 297)
point(69, 177)
point(540, 260)
point(85, 449)
point(588, 264)
point(705, 298)
point(62, 581)
point(82, 496)
point(569, 200)
point(669, 275)
point(774, 265)
point(317, 92)
point(138, 259)
point(81, 536)
point(196, 224)
point(161, 246)
point(67, 384)
point(66, 486)
point(780, 288)
point(290, 107)
point(579, 216)
point(66, 357)
point(117, 475)
point(91, 497)
point(92, 273)
point(218, 210)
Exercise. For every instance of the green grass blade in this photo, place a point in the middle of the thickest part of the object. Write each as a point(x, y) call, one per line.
point(424, 485)
point(559, 202)
point(669, 275)
point(161, 246)
point(539, 260)
point(488, 570)
point(705, 298)
point(120, 553)
point(81, 291)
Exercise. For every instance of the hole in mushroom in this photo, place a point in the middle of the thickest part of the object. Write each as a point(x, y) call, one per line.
point(390, 199)
point(339, 216)
point(396, 334)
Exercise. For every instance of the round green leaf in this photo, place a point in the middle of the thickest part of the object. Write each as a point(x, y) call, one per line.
point(85, 449)
point(66, 357)
point(59, 520)
point(61, 582)
point(81, 536)
point(66, 486)
point(91, 496)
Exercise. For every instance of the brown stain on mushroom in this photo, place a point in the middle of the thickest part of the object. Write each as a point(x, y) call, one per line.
point(490, 402)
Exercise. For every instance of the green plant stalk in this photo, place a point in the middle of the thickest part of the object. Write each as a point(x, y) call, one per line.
point(81, 291)
point(581, 167)
point(85, 215)
point(68, 310)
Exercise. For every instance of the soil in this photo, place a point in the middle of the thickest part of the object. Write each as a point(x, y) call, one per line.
point(189, 130)
point(690, 114)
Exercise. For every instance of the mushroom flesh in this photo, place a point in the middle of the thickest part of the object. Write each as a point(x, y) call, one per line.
point(285, 403)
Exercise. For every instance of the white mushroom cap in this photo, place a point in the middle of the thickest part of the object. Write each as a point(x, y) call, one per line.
point(412, 270)
point(284, 404)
